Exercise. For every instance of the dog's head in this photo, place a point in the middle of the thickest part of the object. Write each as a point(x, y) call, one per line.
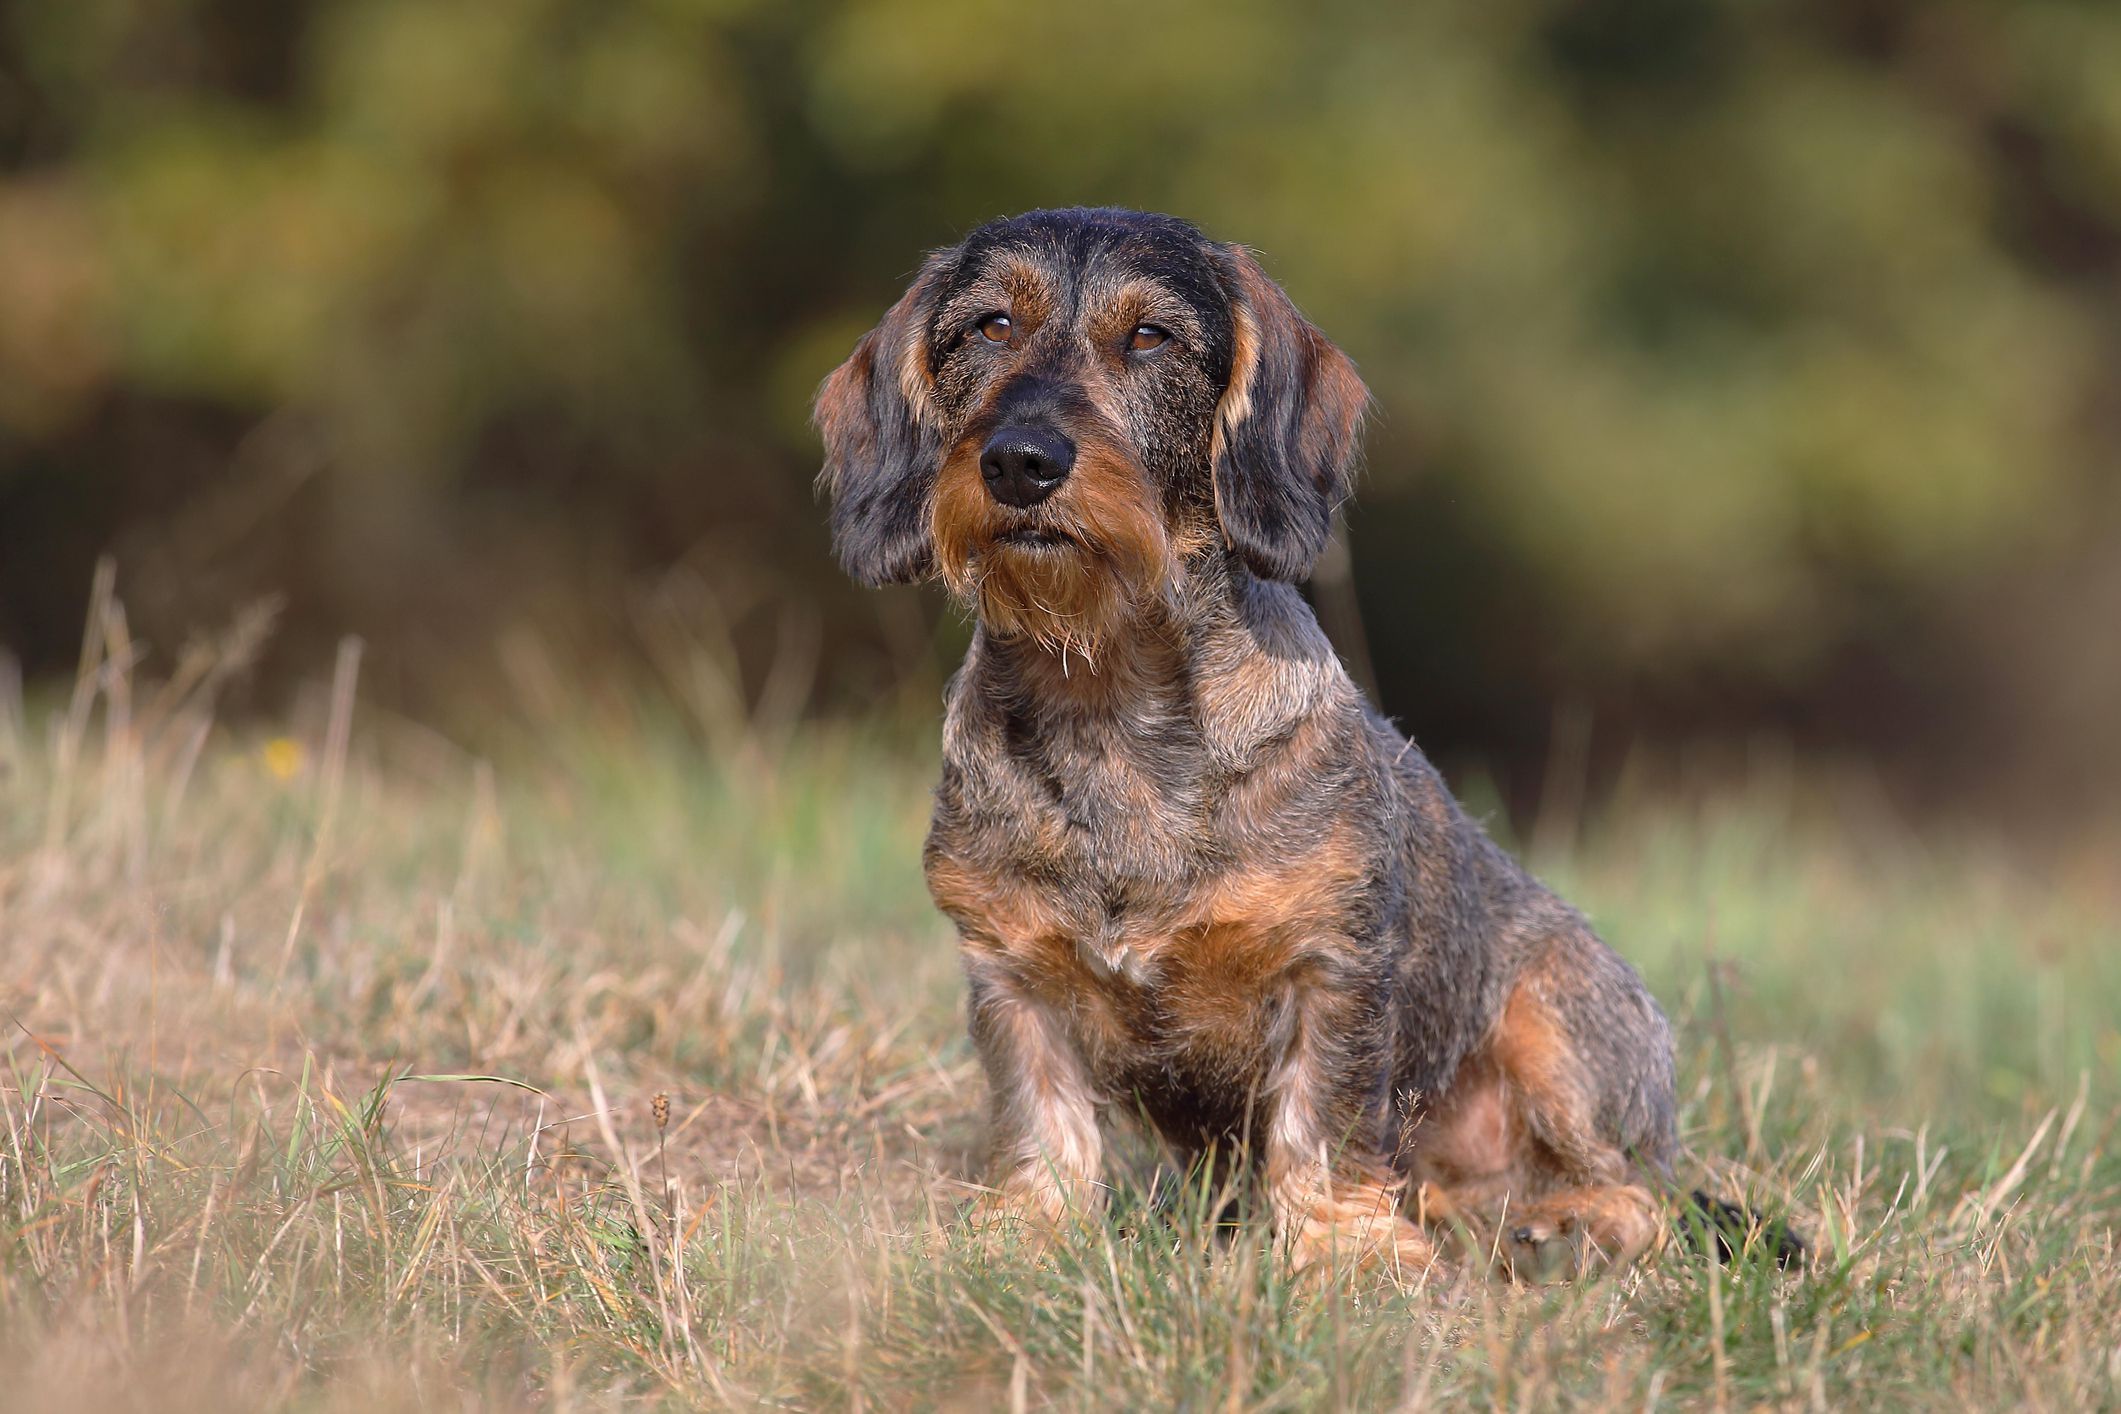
point(1069, 406)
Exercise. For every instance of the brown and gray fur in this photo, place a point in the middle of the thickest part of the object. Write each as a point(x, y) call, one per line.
point(1196, 876)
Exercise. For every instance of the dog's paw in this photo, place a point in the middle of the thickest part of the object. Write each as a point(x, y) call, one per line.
point(1579, 1231)
point(1385, 1245)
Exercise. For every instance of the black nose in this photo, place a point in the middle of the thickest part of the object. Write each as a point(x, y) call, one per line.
point(1023, 465)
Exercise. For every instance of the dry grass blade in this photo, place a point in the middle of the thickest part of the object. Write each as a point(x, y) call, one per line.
point(338, 735)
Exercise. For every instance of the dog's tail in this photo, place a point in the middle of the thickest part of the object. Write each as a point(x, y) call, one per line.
point(1728, 1231)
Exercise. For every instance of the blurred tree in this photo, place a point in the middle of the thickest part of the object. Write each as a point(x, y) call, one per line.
point(1735, 363)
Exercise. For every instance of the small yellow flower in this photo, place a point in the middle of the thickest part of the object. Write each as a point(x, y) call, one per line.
point(283, 757)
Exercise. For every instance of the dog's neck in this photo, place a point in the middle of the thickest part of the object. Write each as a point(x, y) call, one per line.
point(1235, 658)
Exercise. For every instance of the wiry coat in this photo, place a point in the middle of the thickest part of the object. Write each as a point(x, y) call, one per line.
point(1196, 876)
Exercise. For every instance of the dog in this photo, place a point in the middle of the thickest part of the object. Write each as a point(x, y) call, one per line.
point(1196, 877)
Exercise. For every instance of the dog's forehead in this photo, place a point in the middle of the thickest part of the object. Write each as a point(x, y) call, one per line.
point(1093, 251)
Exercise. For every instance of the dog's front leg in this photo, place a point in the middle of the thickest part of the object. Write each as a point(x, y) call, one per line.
point(1047, 1147)
point(1334, 1198)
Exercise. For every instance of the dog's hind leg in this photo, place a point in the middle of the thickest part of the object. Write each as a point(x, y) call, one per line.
point(1593, 1211)
point(1549, 1131)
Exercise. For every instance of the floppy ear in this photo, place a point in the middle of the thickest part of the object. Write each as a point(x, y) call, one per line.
point(883, 442)
point(1286, 429)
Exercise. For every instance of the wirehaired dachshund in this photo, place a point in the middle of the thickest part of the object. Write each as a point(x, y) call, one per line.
point(1197, 878)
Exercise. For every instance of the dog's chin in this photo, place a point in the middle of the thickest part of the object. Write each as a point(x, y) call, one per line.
point(1050, 587)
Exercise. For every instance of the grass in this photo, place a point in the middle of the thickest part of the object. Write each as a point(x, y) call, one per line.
point(332, 1065)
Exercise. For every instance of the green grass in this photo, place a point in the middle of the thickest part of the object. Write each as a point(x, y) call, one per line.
point(334, 1088)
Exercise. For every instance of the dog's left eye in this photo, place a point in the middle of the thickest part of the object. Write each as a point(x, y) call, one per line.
point(1148, 336)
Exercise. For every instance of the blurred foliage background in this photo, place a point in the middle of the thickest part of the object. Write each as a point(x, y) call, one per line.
point(1743, 368)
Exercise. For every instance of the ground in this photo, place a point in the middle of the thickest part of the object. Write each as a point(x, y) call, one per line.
point(334, 1059)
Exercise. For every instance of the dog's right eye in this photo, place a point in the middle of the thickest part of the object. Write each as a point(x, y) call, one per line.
point(995, 328)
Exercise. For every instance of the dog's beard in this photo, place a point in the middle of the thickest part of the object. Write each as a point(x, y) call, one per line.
point(1067, 597)
point(1102, 557)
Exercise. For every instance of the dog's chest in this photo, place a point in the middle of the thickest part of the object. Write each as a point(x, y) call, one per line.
point(1158, 873)
point(1128, 826)
point(1116, 822)
point(1135, 890)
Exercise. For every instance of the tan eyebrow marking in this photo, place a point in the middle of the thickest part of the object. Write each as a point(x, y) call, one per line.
point(1026, 285)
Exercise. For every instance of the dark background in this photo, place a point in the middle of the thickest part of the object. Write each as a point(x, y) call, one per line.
point(1745, 371)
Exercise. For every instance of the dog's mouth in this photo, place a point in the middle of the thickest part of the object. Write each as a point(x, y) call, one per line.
point(1034, 537)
